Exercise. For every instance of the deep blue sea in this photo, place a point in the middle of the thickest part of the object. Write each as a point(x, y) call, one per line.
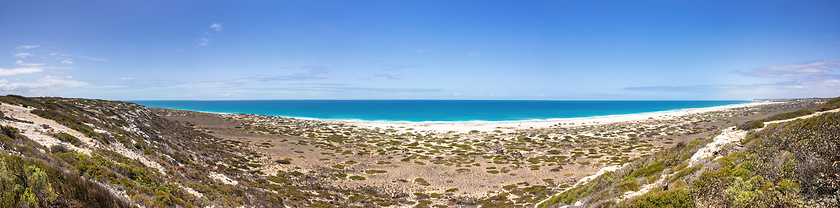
point(434, 110)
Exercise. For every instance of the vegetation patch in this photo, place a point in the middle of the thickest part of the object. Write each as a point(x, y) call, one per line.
point(372, 171)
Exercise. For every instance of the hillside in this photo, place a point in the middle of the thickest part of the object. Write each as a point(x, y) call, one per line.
point(96, 153)
point(792, 162)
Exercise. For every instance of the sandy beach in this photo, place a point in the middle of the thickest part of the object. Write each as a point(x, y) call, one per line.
point(512, 126)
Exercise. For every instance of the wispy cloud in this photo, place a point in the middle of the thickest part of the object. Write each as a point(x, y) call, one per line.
point(420, 50)
point(809, 79)
point(277, 84)
point(688, 89)
point(385, 90)
point(91, 58)
point(217, 26)
point(312, 72)
point(23, 55)
point(396, 67)
point(47, 83)
point(203, 41)
point(18, 71)
point(470, 54)
point(20, 62)
point(65, 60)
point(807, 69)
point(386, 76)
point(27, 46)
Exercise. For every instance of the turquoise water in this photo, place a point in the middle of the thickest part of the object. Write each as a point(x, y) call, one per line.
point(434, 110)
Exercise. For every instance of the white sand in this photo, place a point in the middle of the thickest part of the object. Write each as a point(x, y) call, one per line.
point(510, 126)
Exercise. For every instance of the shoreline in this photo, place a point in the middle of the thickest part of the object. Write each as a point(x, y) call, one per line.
point(511, 126)
point(492, 115)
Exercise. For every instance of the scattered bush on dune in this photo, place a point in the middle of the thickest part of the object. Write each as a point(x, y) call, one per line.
point(831, 104)
point(754, 124)
point(65, 137)
point(36, 179)
point(670, 198)
point(790, 164)
point(788, 115)
point(749, 125)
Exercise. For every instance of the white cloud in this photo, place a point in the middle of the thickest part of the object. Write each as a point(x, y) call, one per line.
point(203, 41)
point(807, 69)
point(470, 54)
point(17, 71)
point(310, 72)
point(79, 56)
point(28, 46)
point(47, 83)
point(400, 66)
point(216, 26)
point(386, 76)
point(91, 58)
point(23, 55)
point(67, 62)
point(20, 62)
point(809, 79)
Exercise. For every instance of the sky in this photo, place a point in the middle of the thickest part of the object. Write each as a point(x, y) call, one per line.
point(450, 50)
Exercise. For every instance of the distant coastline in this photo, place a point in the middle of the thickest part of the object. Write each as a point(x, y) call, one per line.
point(512, 126)
point(422, 112)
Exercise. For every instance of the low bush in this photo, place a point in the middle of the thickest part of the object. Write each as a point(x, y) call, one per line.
point(831, 104)
point(65, 137)
point(671, 198)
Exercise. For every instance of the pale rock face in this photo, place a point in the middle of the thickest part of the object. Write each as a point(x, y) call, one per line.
point(727, 136)
point(223, 178)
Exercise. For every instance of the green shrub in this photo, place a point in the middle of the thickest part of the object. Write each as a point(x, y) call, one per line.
point(754, 124)
point(670, 198)
point(628, 186)
point(65, 137)
point(788, 115)
point(648, 170)
point(374, 171)
point(422, 182)
point(831, 104)
point(685, 172)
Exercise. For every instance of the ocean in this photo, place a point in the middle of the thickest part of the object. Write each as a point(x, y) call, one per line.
point(434, 110)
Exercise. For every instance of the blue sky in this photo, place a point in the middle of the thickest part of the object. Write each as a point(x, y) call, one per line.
point(552, 50)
